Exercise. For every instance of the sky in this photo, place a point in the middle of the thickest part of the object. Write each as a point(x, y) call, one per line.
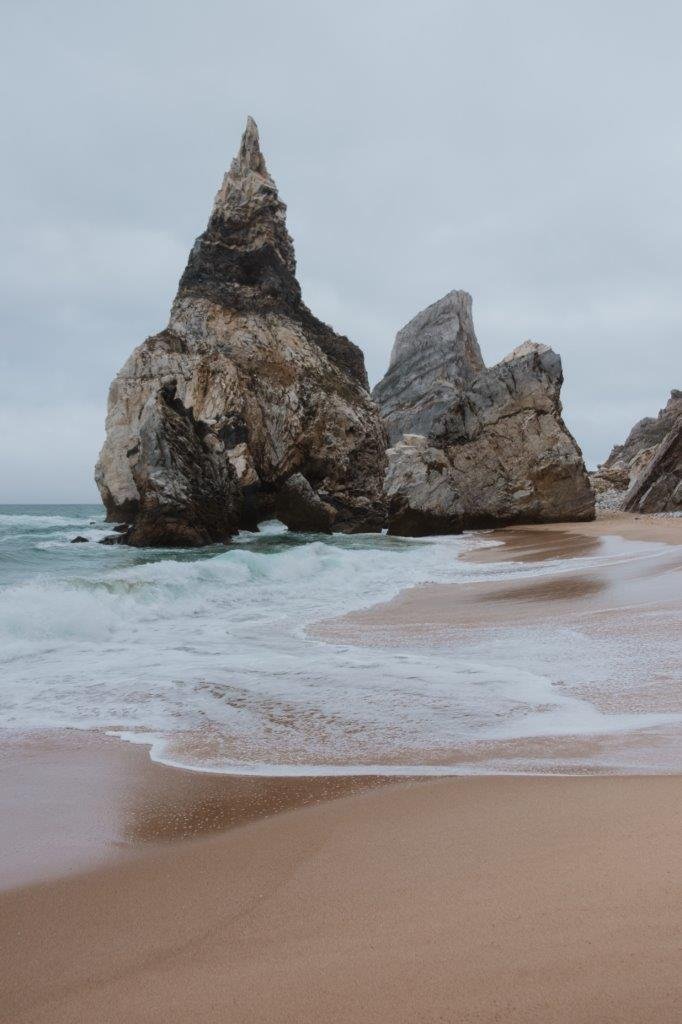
point(528, 152)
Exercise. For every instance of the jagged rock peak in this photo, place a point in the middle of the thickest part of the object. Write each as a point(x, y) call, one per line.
point(434, 353)
point(249, 157)
point(245, 261)
point(247, 177)
point(475, 447)
point(266, 398)
point(445, 331)
point(248, 206)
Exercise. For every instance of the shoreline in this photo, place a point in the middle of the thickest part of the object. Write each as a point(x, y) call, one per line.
point(134, 891)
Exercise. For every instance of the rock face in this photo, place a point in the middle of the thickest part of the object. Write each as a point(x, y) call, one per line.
point(301, 509)
point(433, 358)
point(189, 491)
point(629, 461)
point(658, 488)
point(645, 473)
point(493, 448)
point(423, 499)
point(269, 389)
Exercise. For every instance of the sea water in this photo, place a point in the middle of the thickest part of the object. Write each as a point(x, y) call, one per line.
point(207, 656)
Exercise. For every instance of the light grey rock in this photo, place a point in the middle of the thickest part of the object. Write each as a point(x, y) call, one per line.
point(432, 358)
point(421, 493)
point(282, 392)
point(505, 454)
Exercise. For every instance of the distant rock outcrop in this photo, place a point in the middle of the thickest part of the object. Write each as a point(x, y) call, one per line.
point(658, 488)
point(493, 448)
point(618, 479)
point(259, 385)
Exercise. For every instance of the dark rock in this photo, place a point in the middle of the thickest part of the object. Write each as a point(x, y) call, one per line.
point(189, 495)
point(80, 540)
point(301, 509)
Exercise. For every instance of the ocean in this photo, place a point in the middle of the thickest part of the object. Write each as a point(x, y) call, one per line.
point(206, 656)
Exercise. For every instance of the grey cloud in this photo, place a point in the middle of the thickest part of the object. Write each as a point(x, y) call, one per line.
point(530, 153)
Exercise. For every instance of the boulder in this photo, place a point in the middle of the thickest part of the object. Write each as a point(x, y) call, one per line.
point(301, 509)
point(280, 391)
point(495, 449)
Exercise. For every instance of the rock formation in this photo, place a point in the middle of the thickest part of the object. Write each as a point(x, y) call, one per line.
point(258, 384)
point(628, 462)
point(433, 358)
point(658, 488)
point(301, 509)
point(189, 495)
point(645, 473)
point(492, 448)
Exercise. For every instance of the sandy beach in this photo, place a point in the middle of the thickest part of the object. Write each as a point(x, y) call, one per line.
point(138, 892)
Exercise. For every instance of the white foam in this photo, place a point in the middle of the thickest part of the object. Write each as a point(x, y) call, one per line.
point(208, 658)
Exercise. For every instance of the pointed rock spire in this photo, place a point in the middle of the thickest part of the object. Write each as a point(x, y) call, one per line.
point(249, 157)
point(245, 259)
point(248, 183)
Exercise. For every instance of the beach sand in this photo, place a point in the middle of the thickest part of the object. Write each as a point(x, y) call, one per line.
point(136, 892)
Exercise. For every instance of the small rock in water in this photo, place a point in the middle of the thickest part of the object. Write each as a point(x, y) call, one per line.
point(80, 540)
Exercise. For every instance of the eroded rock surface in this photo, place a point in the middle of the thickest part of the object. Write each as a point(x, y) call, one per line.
point(627, 465)
point(494, 449)
point(433, 357)
point(422, 496)
point(301, 509)
point(281, 391)
point(190, 496)
point(658, 487)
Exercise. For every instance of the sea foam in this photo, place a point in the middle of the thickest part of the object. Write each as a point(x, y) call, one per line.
point(207, 655)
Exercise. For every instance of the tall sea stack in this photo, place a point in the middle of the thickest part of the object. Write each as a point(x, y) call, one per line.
point(259, 389)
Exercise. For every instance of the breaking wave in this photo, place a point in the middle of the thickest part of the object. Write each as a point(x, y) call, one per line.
point(205, 655)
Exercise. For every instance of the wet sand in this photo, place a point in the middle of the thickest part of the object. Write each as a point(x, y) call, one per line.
point(518, 900)
point(140, 893)
point(653, 578)
point(72, 800)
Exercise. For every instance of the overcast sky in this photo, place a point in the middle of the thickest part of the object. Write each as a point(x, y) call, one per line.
point(528, 152)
